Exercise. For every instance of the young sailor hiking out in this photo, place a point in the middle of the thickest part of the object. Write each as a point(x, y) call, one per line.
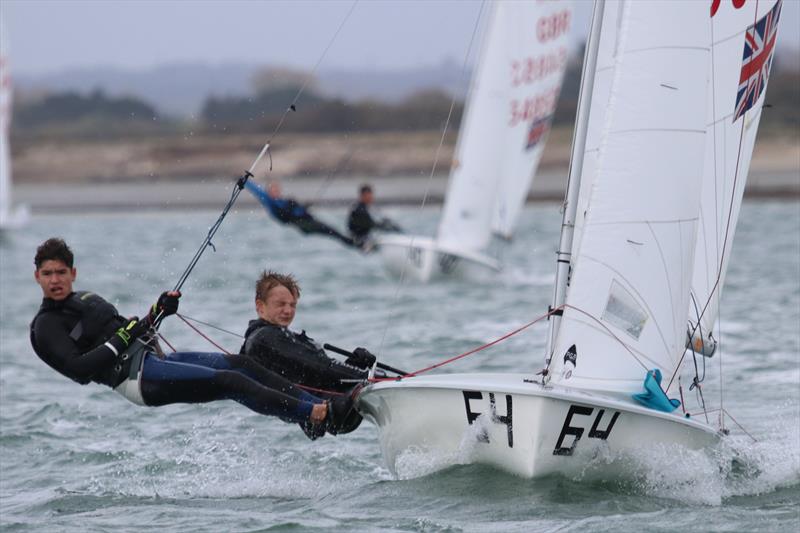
point(295, 356)
point(290, 211)
point(83, 337)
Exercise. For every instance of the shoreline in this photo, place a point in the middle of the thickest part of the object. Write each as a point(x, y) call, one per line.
point(549, 186)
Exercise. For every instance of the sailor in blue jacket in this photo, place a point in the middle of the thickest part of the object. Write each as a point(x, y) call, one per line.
point(289, 211)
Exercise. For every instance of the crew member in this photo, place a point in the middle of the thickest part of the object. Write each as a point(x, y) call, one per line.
point(296, 356)
point(361, 222)
point(289, 211)
point(83, 337)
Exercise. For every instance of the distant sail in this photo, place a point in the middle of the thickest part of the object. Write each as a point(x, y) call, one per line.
point(512, 97)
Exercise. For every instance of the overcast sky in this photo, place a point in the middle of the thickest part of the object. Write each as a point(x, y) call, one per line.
point(45, 36)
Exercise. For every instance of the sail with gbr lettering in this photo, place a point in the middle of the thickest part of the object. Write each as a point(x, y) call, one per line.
point(506, 121)
point(511, 103)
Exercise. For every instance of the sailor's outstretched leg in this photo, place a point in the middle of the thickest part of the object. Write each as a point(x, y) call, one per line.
point(168, 381)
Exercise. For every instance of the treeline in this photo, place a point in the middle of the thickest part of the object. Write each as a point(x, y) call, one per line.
point(100, 116)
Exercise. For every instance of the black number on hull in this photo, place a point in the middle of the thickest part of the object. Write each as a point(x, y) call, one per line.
point(577, 431)
point(507, 419)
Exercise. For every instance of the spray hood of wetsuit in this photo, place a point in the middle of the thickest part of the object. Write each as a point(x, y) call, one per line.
point(297, 357)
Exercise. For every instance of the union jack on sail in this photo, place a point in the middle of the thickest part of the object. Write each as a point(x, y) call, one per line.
point(759, 46)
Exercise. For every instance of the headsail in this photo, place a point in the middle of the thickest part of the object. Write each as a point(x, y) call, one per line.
point(629, 294)
point(741, 55)
point(512, 96)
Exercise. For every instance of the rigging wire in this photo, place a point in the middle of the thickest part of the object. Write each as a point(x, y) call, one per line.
point(401, 280)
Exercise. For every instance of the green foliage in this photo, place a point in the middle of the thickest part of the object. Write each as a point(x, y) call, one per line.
point(70, 108)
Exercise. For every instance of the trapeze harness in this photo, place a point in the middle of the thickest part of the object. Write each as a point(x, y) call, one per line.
point(79, 325)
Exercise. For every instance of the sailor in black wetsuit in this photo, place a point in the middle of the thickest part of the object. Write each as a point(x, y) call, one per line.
point(289, 211)
point(84, 338)
point(360, 222)
point(295, 356)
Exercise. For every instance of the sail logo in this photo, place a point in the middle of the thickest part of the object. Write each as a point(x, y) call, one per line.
point(539, 128)
point(577, 431)
point(506, 419)
point(759, 46)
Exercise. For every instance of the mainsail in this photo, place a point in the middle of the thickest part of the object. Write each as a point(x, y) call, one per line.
point(629, 295)
point(5, 123)
point(512, 98)
point(743, 45)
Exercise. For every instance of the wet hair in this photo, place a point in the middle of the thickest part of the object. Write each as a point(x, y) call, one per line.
point(269, 280)
point(53, 249)
point(364, 189)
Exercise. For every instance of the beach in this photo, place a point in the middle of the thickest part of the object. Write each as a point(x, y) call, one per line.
point(196, 172)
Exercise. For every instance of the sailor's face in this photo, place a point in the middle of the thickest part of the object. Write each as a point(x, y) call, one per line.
point(279, 307)
point(55, 278)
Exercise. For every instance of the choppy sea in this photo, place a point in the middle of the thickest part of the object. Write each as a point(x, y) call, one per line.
point(76, 458)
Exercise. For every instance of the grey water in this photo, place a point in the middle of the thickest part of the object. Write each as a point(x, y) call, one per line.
point(81, 458)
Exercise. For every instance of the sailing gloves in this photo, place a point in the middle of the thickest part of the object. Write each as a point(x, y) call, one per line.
point(361, 358)
point(166, 305)
point(124, 336)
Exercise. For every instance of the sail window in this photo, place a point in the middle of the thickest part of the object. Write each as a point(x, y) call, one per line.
point(623, 311)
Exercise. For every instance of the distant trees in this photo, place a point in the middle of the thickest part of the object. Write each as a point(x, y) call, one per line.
point(72, 107)
point(96, 115)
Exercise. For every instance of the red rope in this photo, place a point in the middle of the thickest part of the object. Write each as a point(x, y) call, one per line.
point(470, 352)
point(220, 348)
point(304, 387)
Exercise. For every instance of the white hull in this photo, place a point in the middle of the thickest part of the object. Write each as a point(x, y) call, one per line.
point(465, 418)
point(423, 259)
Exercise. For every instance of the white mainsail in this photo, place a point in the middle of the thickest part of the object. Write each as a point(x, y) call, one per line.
point(741, 55)
point(5, 122)
point(512, 98)
point(629, 295)
point(537, 61)
point(10, 217)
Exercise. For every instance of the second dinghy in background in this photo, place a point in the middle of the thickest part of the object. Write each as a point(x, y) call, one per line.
point(506, 120)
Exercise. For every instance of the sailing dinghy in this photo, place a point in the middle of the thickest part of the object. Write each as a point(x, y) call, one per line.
point(10, 217)
point(663, 88)
point(506, 121)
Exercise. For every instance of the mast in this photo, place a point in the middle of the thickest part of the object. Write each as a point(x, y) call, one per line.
point(564, 253)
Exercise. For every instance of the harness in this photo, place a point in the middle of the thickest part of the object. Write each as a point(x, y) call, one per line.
point(97, 320)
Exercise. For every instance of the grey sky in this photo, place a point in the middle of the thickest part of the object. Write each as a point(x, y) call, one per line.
point(46, 36)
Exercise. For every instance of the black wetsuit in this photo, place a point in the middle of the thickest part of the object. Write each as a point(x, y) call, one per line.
point(70, 336)
point(360, 223)
point(296, 357)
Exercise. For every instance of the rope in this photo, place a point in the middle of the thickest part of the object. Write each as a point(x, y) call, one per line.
point(186, 319)
point(313, 71)
point(220, 348)
point(470, 352)
point(211, 326)
point(738, 424)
